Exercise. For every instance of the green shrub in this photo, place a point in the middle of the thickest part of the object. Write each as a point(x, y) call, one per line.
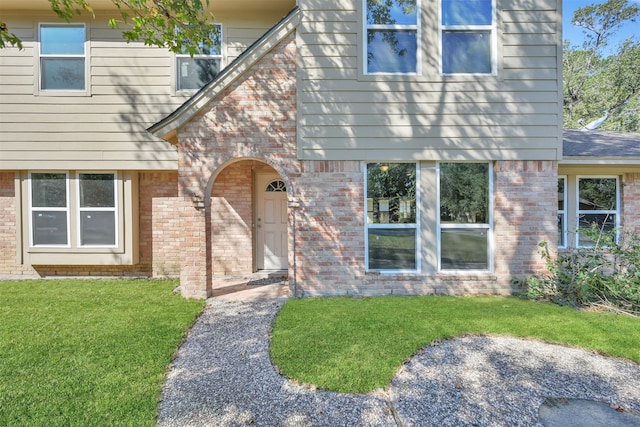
point(605, 275)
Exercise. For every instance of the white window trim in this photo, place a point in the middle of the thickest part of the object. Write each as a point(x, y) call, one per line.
point(489, 227)
point(494, 40)
point(415, 227)
point(417, 28)
point(564, 213)
point(115, 209)
point(617, 212)
point(38, 66)
point(176, 56)
point(66, 209)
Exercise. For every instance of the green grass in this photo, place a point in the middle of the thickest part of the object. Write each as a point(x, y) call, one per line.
point(355, 346)
point(84, 353)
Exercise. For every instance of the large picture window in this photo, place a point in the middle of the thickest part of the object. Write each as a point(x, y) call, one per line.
point(392, 37)
point(468, 36)
point(392, 217)
point(62, 57)
point(598, 204)
point(465, 216)
point(194, 72)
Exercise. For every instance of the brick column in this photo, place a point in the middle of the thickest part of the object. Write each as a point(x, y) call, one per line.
point(195, 277)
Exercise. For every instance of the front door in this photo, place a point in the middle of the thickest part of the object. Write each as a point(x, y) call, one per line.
point(271, 223)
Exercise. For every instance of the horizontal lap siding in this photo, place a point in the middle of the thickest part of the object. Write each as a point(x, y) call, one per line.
point(345, 115)
point(130, 90)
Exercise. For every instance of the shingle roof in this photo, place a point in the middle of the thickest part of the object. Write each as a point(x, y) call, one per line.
point(589, 144)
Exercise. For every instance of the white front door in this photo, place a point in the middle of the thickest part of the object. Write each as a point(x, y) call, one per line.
point(271, 223)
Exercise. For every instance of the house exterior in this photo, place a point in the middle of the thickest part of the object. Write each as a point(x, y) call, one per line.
point(364, 147)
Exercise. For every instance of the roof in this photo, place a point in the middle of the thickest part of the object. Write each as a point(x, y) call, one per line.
point(167, 127)
point(589, 145)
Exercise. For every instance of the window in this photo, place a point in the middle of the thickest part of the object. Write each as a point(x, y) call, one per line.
point(598, 202)
point(392, 218)
point(194, 72)
point(391, 36)
point(62, 57)
point(95, 205)
point(97, 209)
point(49, 199)
point(468, 33)
point(465, 216)
point(562, 212)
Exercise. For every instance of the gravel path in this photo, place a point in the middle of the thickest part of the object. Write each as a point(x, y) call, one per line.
point(222, 376)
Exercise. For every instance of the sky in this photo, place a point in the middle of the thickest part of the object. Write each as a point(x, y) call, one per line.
point(576, 36)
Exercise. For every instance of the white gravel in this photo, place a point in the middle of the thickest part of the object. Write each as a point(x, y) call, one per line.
point(223, 376)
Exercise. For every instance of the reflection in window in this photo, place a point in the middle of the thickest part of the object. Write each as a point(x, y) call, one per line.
point(597, 206)
point(392, 242)
point(467, 37)
point(194, 72)
point(391, 36)
point(62, 57)
point(465, 225)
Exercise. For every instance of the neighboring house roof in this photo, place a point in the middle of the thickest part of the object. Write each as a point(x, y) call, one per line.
point(588, 146)
point(167, 127)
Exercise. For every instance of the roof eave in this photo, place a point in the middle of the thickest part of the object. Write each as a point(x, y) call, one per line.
point(168, 127)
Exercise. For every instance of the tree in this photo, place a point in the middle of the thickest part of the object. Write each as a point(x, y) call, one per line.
point(178, 25)
point(596, 85)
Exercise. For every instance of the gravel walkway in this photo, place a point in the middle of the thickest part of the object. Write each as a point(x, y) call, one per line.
point(222, 376)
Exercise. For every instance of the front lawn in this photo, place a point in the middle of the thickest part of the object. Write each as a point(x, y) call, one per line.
point(83, 353)
point(356, 345)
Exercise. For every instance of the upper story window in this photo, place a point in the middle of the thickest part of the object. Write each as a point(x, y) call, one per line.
point(62, 57)
point(392, 36)
point(468, 36)
point(194, 72)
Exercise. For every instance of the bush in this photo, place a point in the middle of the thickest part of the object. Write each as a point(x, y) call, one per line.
point(605, 275)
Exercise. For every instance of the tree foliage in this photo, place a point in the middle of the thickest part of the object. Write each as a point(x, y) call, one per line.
point(597, 84)
point(179, 25)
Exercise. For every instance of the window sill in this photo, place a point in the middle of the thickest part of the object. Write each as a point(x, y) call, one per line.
point(75, 257)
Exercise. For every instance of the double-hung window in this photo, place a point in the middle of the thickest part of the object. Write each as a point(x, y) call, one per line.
point(392, 36)
point(598, 203)
point(62, 57)
point(468, 36)
point(465, 229)
point(49, 200)
point(90, 219)
point(562, 211)
point(193, 72)
point(392, 218)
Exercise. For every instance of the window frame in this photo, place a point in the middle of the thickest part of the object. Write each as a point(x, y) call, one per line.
point(617, 212)
point(417, 28)
point(115, 209)
point(400, 226)
point(564, 212)
point(32, 209)
point(178, 56)
point(493, 42)
point(463, 226)
point(39, 90)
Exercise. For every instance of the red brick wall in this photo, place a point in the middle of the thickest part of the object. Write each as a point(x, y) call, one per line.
point(159, 237)
point(631, 202)
point(231, 220)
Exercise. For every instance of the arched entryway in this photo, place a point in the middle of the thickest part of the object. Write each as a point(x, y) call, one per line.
point(249, 219)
